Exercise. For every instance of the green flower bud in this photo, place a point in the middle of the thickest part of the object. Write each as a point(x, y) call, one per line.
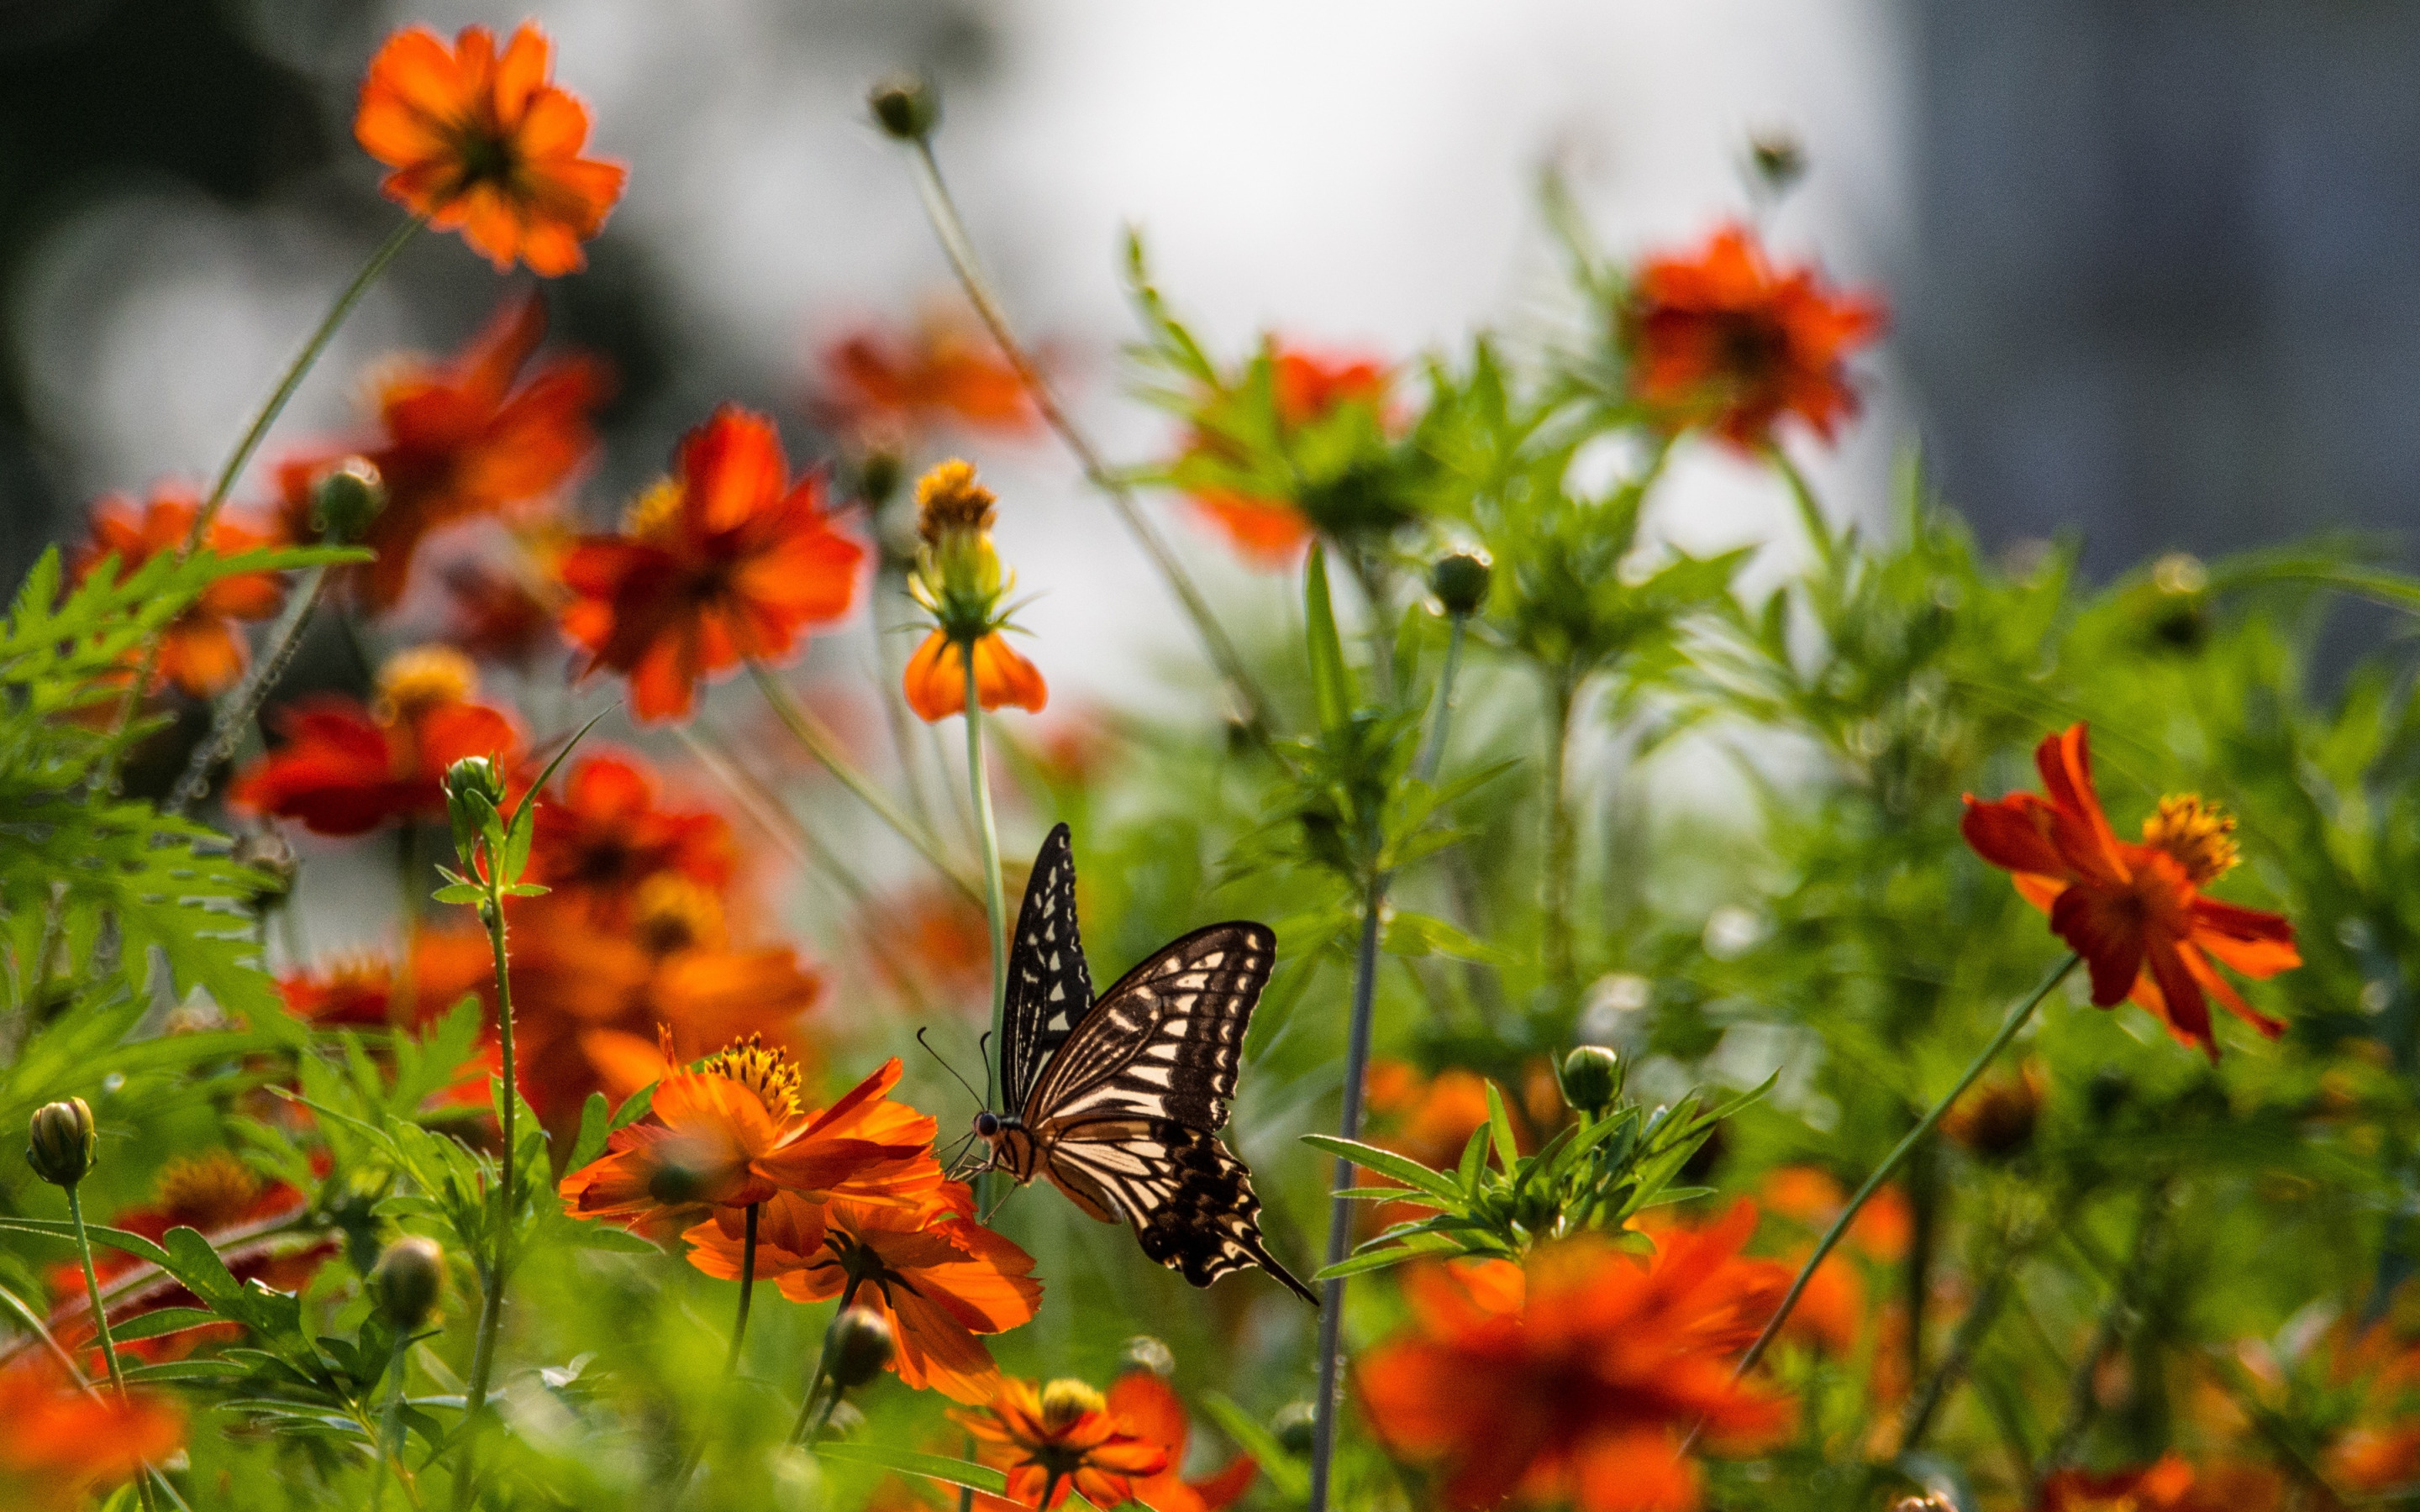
point(905, 106)
point(879, 472)
point(405, 1282)
point(857, 1346)
point(1460, 581)
point(474, 790)
point(347, 498)
point(1293, 1427)
point(1593, 1077)
point(1145, 1353)
point(267, 852)
point(60, 1143)
point(1779, 160)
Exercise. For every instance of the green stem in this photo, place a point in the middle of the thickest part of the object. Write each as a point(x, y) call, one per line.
point(100, 1320)
point(747, 1288)
point(951, 230)
point(1424, 766)
point(240, 707)
point(1810, 512)
point(403, 993)
point(2124, 1300)
point(1562, 841)
point(825, 748)
point(2016, 1020)
point(491, 1306)
point(995, 900)
point(391, 1422)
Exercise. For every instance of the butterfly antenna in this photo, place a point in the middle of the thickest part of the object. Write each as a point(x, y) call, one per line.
point(952, 1070)
point(983, 1048)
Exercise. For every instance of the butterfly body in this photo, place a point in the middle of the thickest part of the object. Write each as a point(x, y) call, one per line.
point(1117, 1099)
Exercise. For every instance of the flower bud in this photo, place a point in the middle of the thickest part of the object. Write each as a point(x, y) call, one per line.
point(1593, 1078)
point(877, 477)
point(1779, 160)
point(958, 576)
point(1460, 581)
point(474, 790)
point(406, 1281)
point(347, 498)
point(1145, 1353)
point(857, 1346)
point(60, 1143)
point(267, 852)
point(905, 106)
point(1293, 1427)
point(1995, 1120)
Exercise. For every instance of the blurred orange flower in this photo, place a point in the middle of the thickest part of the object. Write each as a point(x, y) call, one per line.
point(201, 652)
point(601, 833)
point(346, 770)
point(59, 1443)
point(2135, 913)
point(1152, 1407)
point(357, 990)
point(460, 439)
point(1575, 1379)
point(497, 615)
point(936, 684)
point(1881, 1230)
point(486, 144)
point(728, 559)
point(1060, 1439)
point(1306, 388)
point(1719, 338)
point(888, 386)
point(939, 1277)
point(2167, 1485)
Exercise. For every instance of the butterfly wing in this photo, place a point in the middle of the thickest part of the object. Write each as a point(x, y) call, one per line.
point(1165, 1042)
point(1191, 1202)
point(1049, 990)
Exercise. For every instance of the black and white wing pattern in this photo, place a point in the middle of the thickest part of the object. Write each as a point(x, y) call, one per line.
point(1191, 1203)
point(1049, 990)
point(1166, 1043)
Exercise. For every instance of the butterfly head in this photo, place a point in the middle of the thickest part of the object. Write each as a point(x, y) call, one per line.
point(987, 1125)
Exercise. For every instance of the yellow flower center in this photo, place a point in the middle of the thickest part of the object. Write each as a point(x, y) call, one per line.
point(949, 501)
point(2200, 836)
point(767, 1071)
point(671, 913)
point(654, 514)
point(207, 1191)
point(1065, 1403)
point(426, 677)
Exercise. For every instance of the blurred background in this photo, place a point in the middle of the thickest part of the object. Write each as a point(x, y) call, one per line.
point(2152, 265)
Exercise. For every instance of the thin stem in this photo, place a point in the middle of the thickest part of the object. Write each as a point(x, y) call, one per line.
point(1562, 841)
point(100, 1320)
point(1810, 511)
point(747, 1287)
point(2016, 1020)
point(402, 991)
point(2081, 1401)
point(390, 1421)
point(1424, 766)
point(254, 435)
point(1340, 1217)
point(491, 1307)
point(240, 707)
point(959, 248)
point(995, 902)
point(825, 748)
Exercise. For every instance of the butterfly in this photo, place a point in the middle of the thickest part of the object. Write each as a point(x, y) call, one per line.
point(1117, 1099)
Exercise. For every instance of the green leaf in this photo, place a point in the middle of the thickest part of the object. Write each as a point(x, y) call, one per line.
point(596, 1116)
point(134, 1245)
point(1420, 934)
point(458, 892)
point(928, 1467)
point(1473, 1165)
point(1499, 1127)
point(524, 889)
point(1420, 1247)
point(633, 1110)
point(1331, 681)
point(605, 1237)
point(165, 1321)
point(1387, 1162)
point(1285, 1473)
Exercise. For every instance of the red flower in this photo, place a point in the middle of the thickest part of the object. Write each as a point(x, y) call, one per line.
point(1720, 339)
point(1306, 389)
point(1061, 1439)
point(886, 386)
point(498, 616)
point(2135, 913)
point(601, 835)
point(58, 1444)
point(358, 992)
point(201, 652)
point(1158, 1416)
point(728, 559)
point(346, 770)
point(1575, 1381)
point(488, 145)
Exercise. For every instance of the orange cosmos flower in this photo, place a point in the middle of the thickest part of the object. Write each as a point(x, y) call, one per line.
point(1719, 339)
point(887, 386)
point(201, 652)
point(960, 579)
point(733, 1134)
point(1306, 387)
point(2135, 913)
point(1061, 1438)
point(357, 990)
point(601, 835)
point(486, 146)
point(344, 769)
point(729, 558)
point(939, 1278)
point(2167, 1485)
point(1157, 1414)
point(1575, 1381)
point(58, 1444)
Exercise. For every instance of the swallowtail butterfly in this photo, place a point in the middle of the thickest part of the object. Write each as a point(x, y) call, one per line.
point(1119, 1100)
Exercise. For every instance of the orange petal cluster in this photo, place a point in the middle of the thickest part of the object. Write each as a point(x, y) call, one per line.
point(202, 654)
point(602, 834)
point(2135, 912)
point(936, 681)
point(1574, 1379)
point(731, 559)
point(1719, 338)
point(891, 387)
point(483, 143)
point(1307, 387)
point(1157, 1414)
point(58, 1444)
point(1061, 1438)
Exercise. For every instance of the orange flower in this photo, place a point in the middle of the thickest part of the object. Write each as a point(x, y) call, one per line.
point(728, 559)
point(1306, 389)
point(58, 1444)
point(1575, 1380)
point(1428, 1119)
point(1805, 1195)
point(733, 1134)
point(2135, 913)
point(602, 835)
point(498, 616)
point(357, 992)
point(486, 146)
point(936, 684)
point(200, 652)
point(1061, 1438)
point(2167, 1485)
point(1158, 1416)
point(346, 770)
point(939, 1278)
point(959, 581)
point(1719, 339)
point(885, 386)
point(941, 937)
